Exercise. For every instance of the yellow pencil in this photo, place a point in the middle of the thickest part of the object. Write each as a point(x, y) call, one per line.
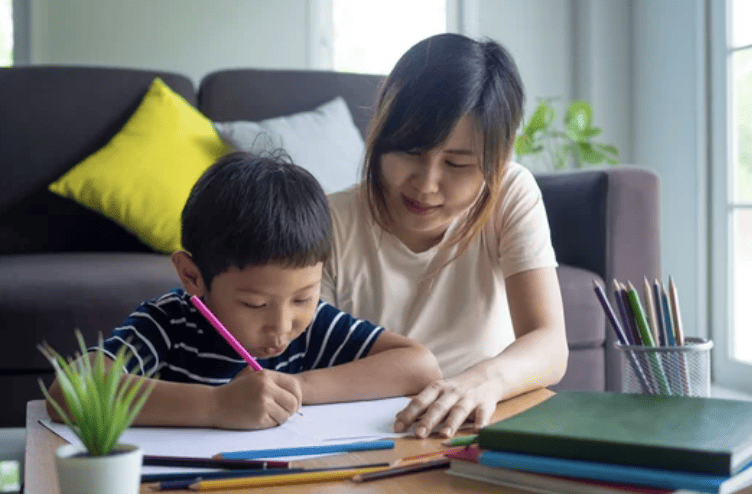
point(285, 479)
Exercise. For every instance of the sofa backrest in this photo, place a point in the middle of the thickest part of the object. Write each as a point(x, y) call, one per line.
point(51, 118)
point(251, 94)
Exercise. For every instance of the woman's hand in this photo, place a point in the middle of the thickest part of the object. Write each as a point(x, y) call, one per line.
point(256, 400)
point(447, 403)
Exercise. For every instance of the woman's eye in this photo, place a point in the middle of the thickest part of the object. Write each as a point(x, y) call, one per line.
point(413, 152)
point(253, 306)
point(457, 165)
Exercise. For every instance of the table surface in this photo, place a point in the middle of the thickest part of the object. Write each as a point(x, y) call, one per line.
point(40, 476)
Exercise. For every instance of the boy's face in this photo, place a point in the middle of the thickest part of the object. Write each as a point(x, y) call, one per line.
point(265, 307)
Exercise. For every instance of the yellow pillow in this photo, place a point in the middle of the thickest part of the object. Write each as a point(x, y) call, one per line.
point(142, 177)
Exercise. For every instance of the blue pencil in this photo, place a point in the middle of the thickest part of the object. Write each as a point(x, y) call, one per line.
point(669, 319)
point(659, 308)
point(309, 450)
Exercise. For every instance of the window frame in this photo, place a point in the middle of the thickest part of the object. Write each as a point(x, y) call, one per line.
point(727, 371)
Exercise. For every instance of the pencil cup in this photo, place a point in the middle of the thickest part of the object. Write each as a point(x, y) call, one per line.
point(668, 370)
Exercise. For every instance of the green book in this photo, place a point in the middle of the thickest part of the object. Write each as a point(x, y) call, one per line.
point(668, 432)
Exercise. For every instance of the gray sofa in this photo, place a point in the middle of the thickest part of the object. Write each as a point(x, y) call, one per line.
point(63, 266)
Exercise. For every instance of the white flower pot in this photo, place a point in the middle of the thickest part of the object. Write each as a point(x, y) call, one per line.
point(117, 473)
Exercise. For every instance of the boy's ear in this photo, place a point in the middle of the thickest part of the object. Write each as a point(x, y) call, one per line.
point(189, 273)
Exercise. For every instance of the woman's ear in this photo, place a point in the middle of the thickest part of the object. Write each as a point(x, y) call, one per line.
point(188, 273)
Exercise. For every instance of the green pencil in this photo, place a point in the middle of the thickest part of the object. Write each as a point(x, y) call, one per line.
point(647, 338)
point(461, 440)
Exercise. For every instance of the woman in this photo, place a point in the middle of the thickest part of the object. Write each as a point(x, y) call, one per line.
point(447, 241)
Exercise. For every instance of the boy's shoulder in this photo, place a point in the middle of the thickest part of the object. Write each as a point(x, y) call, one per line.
point(174, 302)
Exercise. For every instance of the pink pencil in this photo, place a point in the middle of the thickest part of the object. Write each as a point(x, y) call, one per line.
point(203, 309)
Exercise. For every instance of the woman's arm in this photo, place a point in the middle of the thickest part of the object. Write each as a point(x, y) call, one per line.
point(537, 358)
point(394, 366)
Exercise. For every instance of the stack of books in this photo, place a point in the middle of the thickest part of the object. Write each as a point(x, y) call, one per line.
point(585, 442)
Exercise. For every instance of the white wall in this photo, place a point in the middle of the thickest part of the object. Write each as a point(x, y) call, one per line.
point(670, 136)
point(193, 37)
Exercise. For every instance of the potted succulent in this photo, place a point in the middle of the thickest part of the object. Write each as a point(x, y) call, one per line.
point(575, 141)
point(100, 406)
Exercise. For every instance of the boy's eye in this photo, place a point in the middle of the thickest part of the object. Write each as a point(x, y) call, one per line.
point(303, 301)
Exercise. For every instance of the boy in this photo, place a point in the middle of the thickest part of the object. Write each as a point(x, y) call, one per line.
point(257, 231)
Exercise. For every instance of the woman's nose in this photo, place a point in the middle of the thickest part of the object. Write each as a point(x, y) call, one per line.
point(428, 175)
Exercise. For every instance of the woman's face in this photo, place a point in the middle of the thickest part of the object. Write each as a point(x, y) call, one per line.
point(425, 191)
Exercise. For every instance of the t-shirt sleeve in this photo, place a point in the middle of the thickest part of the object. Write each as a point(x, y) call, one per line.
point(336, 337)
point(144, 334)
point(524, 237)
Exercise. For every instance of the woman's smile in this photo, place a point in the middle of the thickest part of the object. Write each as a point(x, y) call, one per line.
point(418, 208)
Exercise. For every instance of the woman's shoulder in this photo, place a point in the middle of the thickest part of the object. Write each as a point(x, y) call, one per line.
point(347, 204)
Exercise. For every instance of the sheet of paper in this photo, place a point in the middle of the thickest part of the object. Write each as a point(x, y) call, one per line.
point(318, 425)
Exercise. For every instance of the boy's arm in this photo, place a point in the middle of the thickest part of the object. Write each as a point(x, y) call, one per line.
point(252, 400)
point(394, 366)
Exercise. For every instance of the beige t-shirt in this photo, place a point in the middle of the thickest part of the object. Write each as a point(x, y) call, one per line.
point(461, 313)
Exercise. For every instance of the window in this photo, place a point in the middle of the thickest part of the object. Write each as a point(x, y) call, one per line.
point(369, 37)
point(6, 32)
point(731, 59)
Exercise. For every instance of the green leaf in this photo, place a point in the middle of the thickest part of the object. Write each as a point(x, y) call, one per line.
point(542, 117)
point(590, 155)
point(100, 399)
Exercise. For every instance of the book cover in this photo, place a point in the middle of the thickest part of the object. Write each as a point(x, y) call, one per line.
point(669, 432)
point(464, 464)
point(619, 473)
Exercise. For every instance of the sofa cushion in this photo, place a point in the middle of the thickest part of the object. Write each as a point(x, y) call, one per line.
point(46, 296)
point(324, 141)
point(142, 177)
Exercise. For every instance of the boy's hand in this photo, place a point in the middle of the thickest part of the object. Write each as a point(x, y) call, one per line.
point(256, 400)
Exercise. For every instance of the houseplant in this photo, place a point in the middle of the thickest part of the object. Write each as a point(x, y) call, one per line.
point(100, 404)
point(575, 141)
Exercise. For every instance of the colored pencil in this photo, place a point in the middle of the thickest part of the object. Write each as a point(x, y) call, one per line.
point(278, 480)
point(621, 336)
point(423, 456)
point(425, 466)
point(184, 461)
point(641, 321)
point(461, 440)
point(669, 318)
point(212, 474)
point(194, 478)
point(217, 324)
point(309, 450)
point(625, 314)
point(647, 295)
point(673, 298)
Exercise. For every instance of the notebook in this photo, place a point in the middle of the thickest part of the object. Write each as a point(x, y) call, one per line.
point(464, 464)
point(619, 473)
point(669, 432)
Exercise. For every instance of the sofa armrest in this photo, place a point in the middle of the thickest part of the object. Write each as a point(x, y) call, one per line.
point(606, 221)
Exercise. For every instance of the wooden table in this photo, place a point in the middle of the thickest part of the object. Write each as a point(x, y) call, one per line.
point(41, 478)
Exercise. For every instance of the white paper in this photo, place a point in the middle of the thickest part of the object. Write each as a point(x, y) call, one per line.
point(318, 425)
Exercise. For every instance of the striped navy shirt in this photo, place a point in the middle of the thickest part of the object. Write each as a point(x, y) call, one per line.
point(167, 335)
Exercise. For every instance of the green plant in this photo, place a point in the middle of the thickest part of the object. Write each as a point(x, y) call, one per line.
point(101, 404)
point(539, 135)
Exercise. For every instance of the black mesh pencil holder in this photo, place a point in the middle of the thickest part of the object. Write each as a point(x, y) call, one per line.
point(669, 370)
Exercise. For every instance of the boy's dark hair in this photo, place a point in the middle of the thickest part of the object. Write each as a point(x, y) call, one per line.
point(253, 210)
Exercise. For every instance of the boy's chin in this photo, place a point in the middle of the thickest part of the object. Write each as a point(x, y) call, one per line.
point(271, 352)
